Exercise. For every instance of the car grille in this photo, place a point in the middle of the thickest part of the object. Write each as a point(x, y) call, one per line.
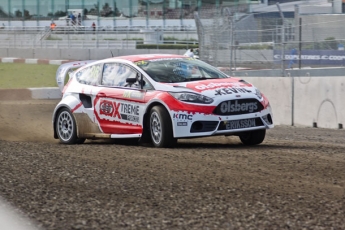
point(238, 106)
point(203, 126)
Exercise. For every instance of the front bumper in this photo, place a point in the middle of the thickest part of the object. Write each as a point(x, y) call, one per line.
point(186, 125)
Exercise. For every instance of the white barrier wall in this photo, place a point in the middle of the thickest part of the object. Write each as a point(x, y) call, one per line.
point(319, 100)
point(278, 92)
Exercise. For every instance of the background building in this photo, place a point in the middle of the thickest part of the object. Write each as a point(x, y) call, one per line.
point(113, 12)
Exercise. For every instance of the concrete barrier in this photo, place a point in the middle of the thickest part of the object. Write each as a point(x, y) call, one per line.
point(45, 93)
point(30, 93)
point(305, 101)
point(319, 100)
point(21, 52)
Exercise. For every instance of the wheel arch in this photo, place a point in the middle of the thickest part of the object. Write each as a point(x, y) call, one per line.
point(147, 112)
point(65, 103)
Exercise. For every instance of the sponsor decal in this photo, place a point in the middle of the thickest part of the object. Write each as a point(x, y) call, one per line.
point(163, 59)
point(124, 111)
point(133, 94)
point(240, 124)
point(109, 108)
point(225, 91)
point(183, 116)
point(235, 107)
point(182, 123)
point(313, 57)
point(141, 63)
point(130, 118)
point(129, 108)
point(213, 85)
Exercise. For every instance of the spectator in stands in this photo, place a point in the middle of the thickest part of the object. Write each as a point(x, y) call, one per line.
point(79, 19)
point(73, 19)
point(52, 26)
point(67, 20)
point(93, 27)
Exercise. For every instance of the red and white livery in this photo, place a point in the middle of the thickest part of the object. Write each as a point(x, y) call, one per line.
point(156, 98)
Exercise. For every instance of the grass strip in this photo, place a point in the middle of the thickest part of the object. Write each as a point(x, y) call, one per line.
point(21, 75)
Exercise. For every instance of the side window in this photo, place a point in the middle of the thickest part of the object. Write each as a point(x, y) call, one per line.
point(115, 74)
point(147, 84)
point(89, 75)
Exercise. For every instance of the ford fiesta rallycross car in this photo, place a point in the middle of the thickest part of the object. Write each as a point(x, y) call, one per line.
point(158, 99)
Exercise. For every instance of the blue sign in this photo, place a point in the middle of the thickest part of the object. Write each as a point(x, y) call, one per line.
point(312, 57)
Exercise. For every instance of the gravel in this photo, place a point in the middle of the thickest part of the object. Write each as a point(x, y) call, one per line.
point(294, 180)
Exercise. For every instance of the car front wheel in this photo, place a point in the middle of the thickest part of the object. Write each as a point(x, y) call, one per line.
point(161, 128)
point(253, 137)
point(66, 128)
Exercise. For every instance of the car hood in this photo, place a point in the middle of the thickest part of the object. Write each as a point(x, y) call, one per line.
point(213, 87)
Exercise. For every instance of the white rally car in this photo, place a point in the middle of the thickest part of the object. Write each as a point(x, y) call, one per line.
point(156, 98)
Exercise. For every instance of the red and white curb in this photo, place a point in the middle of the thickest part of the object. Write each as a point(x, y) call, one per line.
point(31, 93)
point(33, 61)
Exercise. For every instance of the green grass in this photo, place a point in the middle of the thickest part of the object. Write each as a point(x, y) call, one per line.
point(17, 75)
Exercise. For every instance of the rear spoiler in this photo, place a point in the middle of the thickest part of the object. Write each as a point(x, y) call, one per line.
point(64, 69)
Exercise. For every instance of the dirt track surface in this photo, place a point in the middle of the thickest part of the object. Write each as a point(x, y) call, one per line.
point(294, 180)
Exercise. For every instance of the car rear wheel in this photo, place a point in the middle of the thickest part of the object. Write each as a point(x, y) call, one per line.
point(161, 128)
point(66, 128)
point(253, 137)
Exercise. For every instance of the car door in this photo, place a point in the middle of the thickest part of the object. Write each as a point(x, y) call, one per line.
point(119, 104)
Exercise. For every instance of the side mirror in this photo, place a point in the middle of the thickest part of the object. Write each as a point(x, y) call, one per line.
point(131, 80)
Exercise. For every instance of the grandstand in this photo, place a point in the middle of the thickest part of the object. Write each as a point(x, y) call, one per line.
point(228, 33)
point(113, 12)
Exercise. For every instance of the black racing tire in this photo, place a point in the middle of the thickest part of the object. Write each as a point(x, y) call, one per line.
point(253, 137)
point(66, 128)
point(160, 126)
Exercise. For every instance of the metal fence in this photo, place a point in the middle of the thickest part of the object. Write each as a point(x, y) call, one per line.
point(60, 44)
point(232, 38)
point(85, 37)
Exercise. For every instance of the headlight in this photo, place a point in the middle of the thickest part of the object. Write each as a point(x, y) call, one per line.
point(258, 93)
point(192, 98)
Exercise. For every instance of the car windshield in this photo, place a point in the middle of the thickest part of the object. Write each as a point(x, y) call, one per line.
point(171, 70)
